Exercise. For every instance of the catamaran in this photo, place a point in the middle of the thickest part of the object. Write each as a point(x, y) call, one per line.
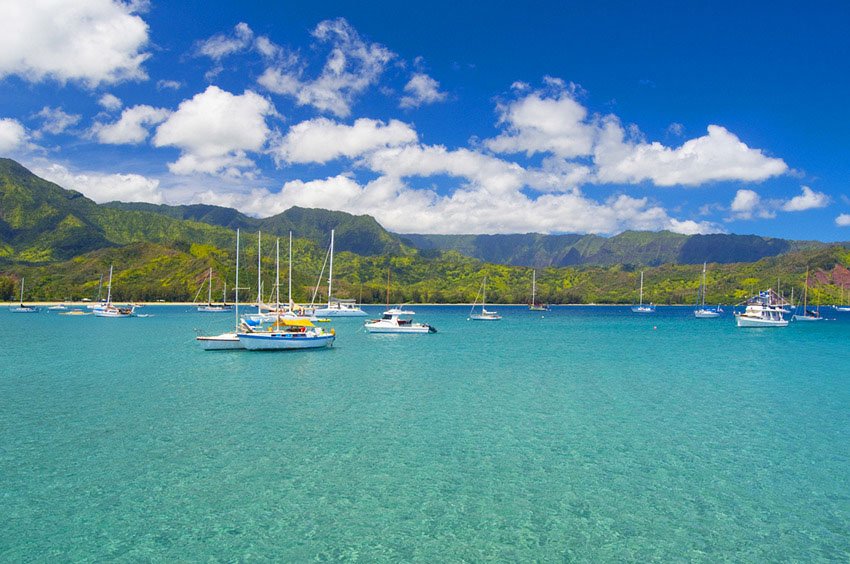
point(108, 309)
point(485, 315)
point(641, 307)
point(230, 340)
point(337, 307)
point(807, 314)
point(702, 311)
point(23, 308)
point(763, 310)
point(534, 306)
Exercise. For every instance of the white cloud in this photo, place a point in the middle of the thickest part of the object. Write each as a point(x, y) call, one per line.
point(219, 46)
point(214, 130)
point(808, 200)
point(168, 84)
point(321, 140)
point(718, 156)
point(747, 204)
point(12, 135)
point(103, 187)
point(93, 41)
point(110, 102)
point(676, 129)
point(843, 220)
point(55, 120)
point(132, 127)
point(351, 67)
point(541, 124)
point(421, 89)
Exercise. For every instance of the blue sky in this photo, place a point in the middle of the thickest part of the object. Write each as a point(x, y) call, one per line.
point(443, 117)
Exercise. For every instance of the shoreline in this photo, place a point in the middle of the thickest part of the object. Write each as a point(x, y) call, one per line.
point(244, 304)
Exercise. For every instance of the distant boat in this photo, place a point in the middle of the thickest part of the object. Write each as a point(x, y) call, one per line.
point(108, 309)
point(763, 310)
point(807, 314)
point(485, 315)
point(702, 311)
point(210, 307)
point(641, 307)
point(58, 307)
point(230, 340)
point(398, 320)
point(23, 308)
point(843, 308)
point(337, 307)
point(534, 306)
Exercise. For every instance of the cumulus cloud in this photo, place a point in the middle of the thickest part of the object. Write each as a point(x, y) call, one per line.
point(104, 187)
point(843, 220)
point(808, 200)
point(748, 204)
point(214, 131)
point(351, 67)
point(321, 140)
point(110, 102)
point(55, 120)
point(12, 135)
point(94, 42)
point(132, 127)
point(421, 90)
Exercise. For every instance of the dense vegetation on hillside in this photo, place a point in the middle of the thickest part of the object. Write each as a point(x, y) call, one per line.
point(63, 243)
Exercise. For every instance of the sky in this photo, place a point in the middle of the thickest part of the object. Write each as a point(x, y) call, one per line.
point(444, 117)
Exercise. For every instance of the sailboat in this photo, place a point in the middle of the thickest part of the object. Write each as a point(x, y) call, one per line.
point(337, 307)
point(484, 315)
point(842, 307)
point(210, 307)
point(807, 314)
point(108, 309)
point(226, 341)
point(641, 307)
point(23, 308)
point(703, 312)
point(534, 306)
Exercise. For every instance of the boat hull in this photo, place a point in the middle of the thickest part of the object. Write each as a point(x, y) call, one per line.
point(706, 314)
point(331, 312)
point(24, 309)
point(643, 309)
point(413, 329)
point(215, 309)
point(284, 341)
point(806, 318)
point(744, 321)
point(223, 342)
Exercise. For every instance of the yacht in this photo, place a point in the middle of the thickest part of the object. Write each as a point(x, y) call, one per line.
point(229, 340)
point(642, 307)
point(337, 307)
point(484, 315)
point(23, 308)
point(286, 334)
point(108, 309)
point(702, 311)
point(398, 320)
point(763, 310)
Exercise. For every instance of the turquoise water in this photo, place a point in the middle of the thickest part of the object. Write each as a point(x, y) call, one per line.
point(590, 434)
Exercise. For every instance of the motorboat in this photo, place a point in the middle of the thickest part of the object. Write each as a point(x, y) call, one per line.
point(763, 310)
point(398, 320)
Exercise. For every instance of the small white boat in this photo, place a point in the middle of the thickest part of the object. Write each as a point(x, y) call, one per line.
point(108, 309)
point(398, 320)
point(210, 307)
point(337, 307)
point(484, 315)
point(286, 334)
point(702, 311)
point(22, 308)
point(58, 307)
point(642, 307)
point(764, 310)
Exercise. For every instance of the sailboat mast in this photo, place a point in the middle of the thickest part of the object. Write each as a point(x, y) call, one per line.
point(236, 307)
point(703, 284)
point(641, 288)
point(259, 271)
point(109, 287)
point(388, 288)
point(22, 290)
point(277, 274)
point(209, 291)
point(331, 270)
point(533, 286)
point(289, 277)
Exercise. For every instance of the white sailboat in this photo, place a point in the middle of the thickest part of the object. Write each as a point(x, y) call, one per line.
point(807, 314)
point(763, 310)
point(23, 308)
point(230, 340)
point(485, 315)
point(108, 309)
point(534, 306)
point(843, 308)
point(210, 307)
point(702, 311)
point(337, 307)
point(641, 307)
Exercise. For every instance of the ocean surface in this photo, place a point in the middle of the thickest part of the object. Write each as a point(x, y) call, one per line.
point(581, 434)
